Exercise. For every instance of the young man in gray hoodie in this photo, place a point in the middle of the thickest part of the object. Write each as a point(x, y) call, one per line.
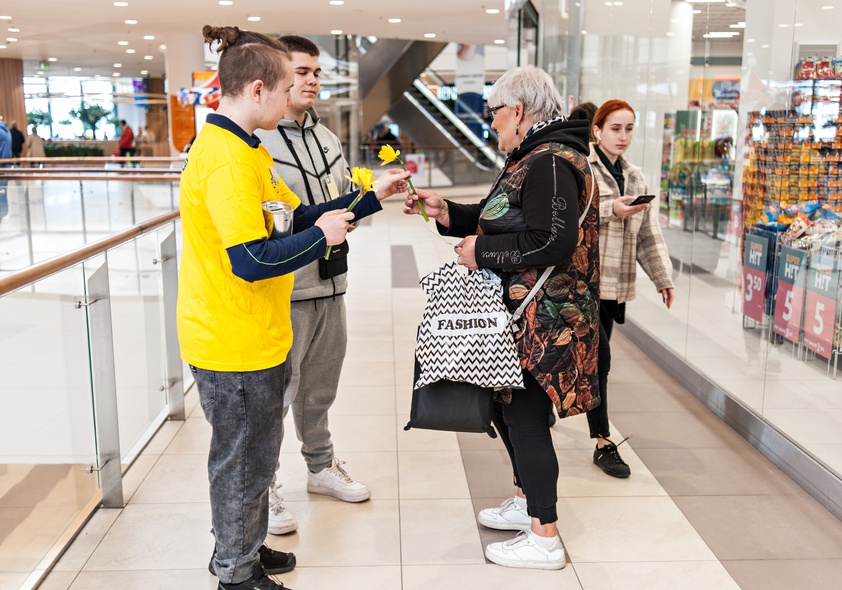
point(309, 159)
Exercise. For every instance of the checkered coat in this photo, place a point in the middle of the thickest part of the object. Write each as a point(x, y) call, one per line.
point(625, 242)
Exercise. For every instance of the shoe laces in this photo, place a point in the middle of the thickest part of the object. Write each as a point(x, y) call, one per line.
point(506, 505)
point(520, 539)
point(611, 448)
point(276, 502)
point(340, 473)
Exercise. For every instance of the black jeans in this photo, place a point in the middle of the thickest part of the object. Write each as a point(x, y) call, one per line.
point(525, 431)
point(598, 417)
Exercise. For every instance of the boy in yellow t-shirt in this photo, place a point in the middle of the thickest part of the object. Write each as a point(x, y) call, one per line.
point(234, 294)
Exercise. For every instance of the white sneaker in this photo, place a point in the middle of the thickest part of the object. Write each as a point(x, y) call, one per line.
point(509, 516)
point(523, 551)
point(335, 481)
point(281, 520)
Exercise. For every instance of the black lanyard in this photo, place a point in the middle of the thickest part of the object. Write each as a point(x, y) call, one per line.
point(301, 167)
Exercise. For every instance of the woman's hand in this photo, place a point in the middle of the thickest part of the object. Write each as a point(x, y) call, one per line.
point(334, 225)
point(391, 182)
point(622, 209)
point(668, 295)
point(434, 205)
point(467, 253)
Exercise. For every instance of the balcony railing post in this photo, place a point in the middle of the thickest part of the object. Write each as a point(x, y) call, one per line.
point(175, 368)
point(105, 387)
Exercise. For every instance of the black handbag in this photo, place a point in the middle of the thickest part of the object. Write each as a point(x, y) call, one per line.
point(336, 264)
point(452, 406)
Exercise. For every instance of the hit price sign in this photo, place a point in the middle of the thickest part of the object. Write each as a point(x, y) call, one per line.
point(789, 299)
point(754, 277)
point(820, 304)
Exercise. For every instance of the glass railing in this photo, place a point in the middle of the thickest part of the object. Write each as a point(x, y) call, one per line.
point(45, 212)
point(90, 370)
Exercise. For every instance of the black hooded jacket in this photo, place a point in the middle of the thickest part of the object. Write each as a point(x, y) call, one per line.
point(530, 217)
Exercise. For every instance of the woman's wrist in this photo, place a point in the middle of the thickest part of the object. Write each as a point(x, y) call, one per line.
point(444, 217)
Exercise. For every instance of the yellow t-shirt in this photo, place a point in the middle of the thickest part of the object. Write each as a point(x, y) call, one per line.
point(226, 323)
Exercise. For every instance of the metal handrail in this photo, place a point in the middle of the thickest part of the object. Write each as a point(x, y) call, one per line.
point(82, 170)
point(49, 267)
point(91, 159)
point(105, 176)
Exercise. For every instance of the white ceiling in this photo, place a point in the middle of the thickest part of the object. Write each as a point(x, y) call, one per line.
point(85, 33)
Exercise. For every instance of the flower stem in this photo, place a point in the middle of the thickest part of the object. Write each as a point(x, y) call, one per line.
point(412, 188)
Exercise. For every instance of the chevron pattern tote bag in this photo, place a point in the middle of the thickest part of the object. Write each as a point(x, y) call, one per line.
point(465, 333)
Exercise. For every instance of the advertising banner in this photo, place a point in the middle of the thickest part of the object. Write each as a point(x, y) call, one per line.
point(820, 304)
point(789, 300)
point(754, 277)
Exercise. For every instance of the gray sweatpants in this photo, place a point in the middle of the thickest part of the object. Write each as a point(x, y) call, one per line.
point(319, 342)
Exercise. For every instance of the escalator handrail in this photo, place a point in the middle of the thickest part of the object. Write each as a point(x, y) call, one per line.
point(489, 153)
point(468, 108)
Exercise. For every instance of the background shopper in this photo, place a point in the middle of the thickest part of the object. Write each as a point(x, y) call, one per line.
point(628, 235)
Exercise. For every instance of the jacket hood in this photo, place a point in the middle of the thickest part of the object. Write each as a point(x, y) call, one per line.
point(571, 132)
point(309, 121)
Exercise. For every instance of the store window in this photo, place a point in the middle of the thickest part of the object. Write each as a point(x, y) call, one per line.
point(739, 133)
point(60, 95)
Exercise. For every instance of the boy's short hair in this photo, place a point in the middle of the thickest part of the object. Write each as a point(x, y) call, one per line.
point(297, 44)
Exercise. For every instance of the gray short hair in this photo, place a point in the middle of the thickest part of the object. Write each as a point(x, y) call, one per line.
point(533, 87)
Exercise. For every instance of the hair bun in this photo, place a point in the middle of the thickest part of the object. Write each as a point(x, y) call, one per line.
point(226, 36)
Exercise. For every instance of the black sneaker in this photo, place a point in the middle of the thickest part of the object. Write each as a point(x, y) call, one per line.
point(608, 459)
point(273, 562)
point(258, 581)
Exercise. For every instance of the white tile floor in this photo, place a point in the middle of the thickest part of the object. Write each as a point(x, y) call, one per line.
point(418, 531)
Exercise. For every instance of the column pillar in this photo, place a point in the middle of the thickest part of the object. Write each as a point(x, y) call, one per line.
point(11, 92)
point(183, 57)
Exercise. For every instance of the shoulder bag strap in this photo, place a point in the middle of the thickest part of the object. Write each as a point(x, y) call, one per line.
point(545, 275)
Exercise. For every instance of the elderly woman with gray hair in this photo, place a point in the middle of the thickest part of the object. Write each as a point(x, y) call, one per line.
point(541, 212)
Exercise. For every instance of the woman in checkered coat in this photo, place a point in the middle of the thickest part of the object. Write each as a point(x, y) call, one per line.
point(628, 235)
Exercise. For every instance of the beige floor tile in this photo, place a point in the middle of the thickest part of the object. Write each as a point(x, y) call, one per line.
point(175, 479)
point(419, 439)
point(136, 542)
point(628, 529)
point(431, 475)
point(785, 574)
point(380, 351)
point(87, 541)
point(163, 437)
point(653, 430)
point(136, 474)
point(193, 438)
point(364, 401)
point(27, 533)
point(767, 527)
point(723, 472)
point(486, 577)
point(489, 474)
point(383, 577)
point(686, 575)
point(194, 579)
point(12, 581)
point(439, 532)
point(368, 372)
point(351, 434)
point(55, 581)
point(579, 477)
point(343, 534)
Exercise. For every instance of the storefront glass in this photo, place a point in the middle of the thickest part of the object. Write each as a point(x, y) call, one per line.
point(740, 134)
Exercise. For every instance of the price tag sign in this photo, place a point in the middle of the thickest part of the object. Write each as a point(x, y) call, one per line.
point(820, 304)
point(791, 272)
point(754, 277)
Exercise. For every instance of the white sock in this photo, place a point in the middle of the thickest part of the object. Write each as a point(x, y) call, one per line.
point(547, 543)
point(520, 501)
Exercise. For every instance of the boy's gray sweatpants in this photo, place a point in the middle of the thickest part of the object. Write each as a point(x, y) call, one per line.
point(319, 342)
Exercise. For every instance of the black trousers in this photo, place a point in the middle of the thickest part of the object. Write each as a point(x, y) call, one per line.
point(525, 430)
point(598, 417)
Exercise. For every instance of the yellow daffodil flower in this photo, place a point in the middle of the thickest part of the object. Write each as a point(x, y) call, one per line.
point(388, 154)
point(363, 178)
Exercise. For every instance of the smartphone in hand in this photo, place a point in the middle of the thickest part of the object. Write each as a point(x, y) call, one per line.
point(641, 200)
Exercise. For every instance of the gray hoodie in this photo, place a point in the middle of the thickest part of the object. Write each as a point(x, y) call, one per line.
point(314, 145)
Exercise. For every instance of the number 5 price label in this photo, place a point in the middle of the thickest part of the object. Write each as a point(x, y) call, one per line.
point(820, 304)
point(754, 277)
point(789, 299)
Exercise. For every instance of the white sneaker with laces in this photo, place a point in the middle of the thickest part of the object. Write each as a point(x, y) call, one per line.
point(335, 481)
point(509, 516)
point(281, 520)
point(524, 552)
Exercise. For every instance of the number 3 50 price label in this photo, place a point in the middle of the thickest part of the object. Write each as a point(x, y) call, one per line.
point(754, 277)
